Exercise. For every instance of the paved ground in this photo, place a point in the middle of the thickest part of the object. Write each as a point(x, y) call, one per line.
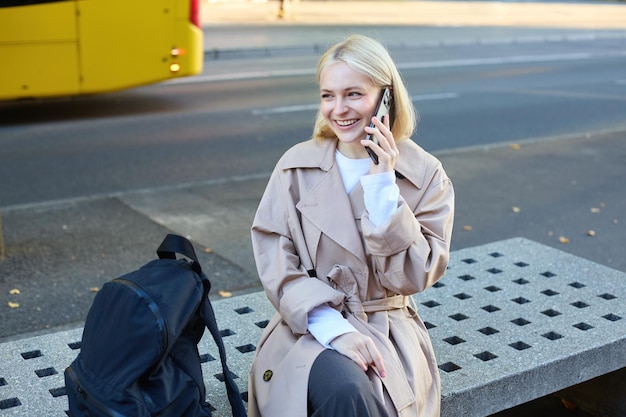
point(241, 24)
point(58, 252)
point(579, 15)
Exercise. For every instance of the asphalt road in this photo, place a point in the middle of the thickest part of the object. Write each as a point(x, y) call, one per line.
point(238, 117)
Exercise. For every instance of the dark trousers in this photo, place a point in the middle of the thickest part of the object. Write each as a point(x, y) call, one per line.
point(339, 388)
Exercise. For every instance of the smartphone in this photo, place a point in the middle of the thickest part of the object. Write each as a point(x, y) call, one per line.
point(382, 110)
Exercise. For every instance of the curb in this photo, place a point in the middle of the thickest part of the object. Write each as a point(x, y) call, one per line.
point(318, 48)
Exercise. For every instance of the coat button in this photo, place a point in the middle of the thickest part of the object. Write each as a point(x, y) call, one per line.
point(267, 375)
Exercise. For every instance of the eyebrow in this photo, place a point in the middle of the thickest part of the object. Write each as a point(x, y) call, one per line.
point(345, 89)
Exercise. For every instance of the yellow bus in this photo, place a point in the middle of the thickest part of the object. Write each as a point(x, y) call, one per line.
point(54, 48)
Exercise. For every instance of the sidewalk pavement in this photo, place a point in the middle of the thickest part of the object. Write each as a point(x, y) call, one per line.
point(241, 24)
point(591, 15)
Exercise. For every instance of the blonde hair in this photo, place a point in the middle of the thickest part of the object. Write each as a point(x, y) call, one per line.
point(370, 57)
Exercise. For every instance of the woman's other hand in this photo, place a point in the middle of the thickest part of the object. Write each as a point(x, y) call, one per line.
point(361, 349)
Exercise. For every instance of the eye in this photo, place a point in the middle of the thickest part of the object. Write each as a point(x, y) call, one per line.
point(326, 96)
point(354, 94)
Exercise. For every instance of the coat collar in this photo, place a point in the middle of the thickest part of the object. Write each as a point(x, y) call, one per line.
point(320, 153)
point(325, 203)
point(314, 153)
point(411, 162)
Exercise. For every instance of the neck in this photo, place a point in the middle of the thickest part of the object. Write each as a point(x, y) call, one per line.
point(352, 150)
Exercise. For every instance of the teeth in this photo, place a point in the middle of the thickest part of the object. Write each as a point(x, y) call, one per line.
point(346, 122)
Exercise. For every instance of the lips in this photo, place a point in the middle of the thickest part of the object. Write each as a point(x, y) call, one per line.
point(346, 123)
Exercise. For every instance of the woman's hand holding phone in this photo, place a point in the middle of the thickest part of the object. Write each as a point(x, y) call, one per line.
point(384, 145)
point(379, 142)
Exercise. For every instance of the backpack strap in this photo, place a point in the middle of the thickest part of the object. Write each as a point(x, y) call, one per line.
point(171, 245)
point(236, 403)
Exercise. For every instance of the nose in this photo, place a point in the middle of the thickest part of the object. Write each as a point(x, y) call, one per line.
point(341, 106)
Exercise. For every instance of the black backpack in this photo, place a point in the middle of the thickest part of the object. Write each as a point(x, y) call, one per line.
point(139, 354)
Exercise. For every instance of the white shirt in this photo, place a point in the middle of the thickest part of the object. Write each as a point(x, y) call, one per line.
point(381, 195)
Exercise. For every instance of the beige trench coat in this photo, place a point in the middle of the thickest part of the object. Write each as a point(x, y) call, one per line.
point(307, 221)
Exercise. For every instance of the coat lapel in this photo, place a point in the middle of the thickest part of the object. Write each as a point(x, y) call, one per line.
point(327, 206)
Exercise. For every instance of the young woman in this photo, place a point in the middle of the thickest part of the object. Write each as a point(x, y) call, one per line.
point(341, 243)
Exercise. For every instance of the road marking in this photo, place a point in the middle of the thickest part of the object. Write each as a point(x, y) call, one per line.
point(284, 109)
point(563, 93)
point(70, 201)
point(435, 96)
point(518, 59)
point(314, 107)
point(497, 60)
point(530, 141)
point(210, 78)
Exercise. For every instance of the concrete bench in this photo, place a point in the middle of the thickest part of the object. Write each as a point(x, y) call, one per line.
point(510, 322)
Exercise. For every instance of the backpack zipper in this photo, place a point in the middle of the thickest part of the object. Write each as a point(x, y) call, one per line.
point(152, 305)
point(90, 398)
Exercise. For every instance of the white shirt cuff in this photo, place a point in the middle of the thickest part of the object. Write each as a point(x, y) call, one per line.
point(325, 324)
point(381, 195)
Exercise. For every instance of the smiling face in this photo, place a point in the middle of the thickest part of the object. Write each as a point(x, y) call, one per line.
point(348, 101)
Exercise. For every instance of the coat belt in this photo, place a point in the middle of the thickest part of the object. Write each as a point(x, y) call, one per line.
point(384, 304)
point(359, 308)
